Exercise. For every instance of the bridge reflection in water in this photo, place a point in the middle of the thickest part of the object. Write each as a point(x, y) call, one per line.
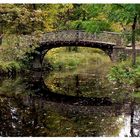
point(30, 108)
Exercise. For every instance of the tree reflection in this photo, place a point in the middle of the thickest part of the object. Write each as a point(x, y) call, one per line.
point(135, 120)
point(83, 85)
point(28, 110)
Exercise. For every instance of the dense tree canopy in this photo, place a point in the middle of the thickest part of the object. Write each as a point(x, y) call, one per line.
point(29, 18)
point(128, 15)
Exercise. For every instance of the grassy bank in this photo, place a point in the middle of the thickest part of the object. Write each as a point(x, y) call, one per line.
point(10, 68)
point(126, 75)
point(61, 59)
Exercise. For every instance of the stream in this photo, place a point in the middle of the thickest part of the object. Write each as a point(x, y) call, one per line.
point(66, 104)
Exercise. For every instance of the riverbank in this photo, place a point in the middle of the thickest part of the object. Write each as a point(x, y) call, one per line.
point(59, 59)
point(125, 75)
point(83, 60)
point(10, 68)
point(62, 59)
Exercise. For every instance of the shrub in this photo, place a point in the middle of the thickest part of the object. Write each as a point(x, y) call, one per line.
point(125, 73)
point(10, 67)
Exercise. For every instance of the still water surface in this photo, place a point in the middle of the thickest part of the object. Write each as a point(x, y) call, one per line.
point(66, 104)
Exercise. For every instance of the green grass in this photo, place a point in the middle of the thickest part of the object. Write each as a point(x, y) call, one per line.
point(11, 66)
point(136, 94)
point(61, 59)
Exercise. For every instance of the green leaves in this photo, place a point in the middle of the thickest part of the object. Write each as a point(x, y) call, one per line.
point(123, 13)
point(96, 26)
point(21, 19)
point(125, 74)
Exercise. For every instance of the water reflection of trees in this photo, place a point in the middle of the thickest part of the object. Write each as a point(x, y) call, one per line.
point(135, 120)
point(84, 85)
point(41, 118)
point(75, 85)
point(24, 113)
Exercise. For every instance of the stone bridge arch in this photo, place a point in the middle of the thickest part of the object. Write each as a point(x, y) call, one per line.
point(107, 41)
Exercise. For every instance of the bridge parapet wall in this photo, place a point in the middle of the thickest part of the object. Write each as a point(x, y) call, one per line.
point(118, 53)
point(123, 53)
point(129, 52)
point(76, 35)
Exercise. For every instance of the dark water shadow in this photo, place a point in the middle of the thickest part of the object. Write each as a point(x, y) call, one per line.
point(39, 87)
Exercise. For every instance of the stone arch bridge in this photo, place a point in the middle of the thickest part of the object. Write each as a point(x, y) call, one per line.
point(111, 43)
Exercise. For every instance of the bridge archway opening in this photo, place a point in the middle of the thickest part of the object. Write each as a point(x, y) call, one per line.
point(69, 57)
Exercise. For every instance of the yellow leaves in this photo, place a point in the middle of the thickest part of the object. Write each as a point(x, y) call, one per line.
point(6, 7)
point(116, 27)
point(66, 7)
point(101, 16)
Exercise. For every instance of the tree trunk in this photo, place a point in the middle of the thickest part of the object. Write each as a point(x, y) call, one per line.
point(132, 120)
point(33, 8)
point(1, 37)
point(134, 41)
